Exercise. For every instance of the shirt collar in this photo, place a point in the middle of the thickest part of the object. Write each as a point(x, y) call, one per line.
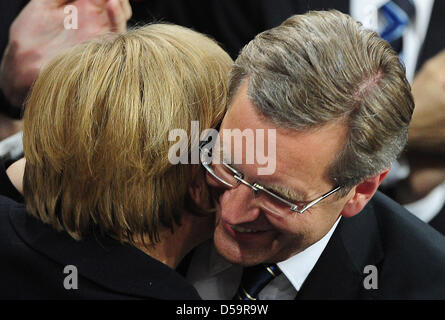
point(298, 267)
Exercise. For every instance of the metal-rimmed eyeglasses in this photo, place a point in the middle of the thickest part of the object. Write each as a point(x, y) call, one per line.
point(225, 176)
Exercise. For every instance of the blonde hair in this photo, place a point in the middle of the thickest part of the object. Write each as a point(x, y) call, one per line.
point(96, 130)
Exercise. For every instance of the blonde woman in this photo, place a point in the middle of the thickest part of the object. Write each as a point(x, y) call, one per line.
point(107, 214)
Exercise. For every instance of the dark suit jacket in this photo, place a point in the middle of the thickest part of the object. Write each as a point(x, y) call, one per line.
point(33, 257)
point(438, 222)
point(409, 256)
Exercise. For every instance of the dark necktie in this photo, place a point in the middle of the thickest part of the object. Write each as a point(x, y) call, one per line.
point(254, 279)
point(397, 15)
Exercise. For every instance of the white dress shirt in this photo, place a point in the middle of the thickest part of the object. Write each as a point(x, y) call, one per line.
point(217, 279)
point(429, 206)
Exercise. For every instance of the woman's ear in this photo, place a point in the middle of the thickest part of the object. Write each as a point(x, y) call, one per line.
point(362, 193)
point(195, 191)
point(199, 193)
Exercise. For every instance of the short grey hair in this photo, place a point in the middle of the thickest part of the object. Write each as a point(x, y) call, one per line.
point(321, 67)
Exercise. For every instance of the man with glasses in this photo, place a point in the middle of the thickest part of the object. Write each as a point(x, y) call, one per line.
point(336, 97)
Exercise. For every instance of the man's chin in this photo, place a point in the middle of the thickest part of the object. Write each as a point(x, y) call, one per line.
point(241, 253)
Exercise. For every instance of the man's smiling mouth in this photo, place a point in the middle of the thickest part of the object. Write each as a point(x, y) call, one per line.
point(238, 228)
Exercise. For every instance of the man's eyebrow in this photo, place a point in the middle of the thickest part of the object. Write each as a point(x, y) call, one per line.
point(286, 193)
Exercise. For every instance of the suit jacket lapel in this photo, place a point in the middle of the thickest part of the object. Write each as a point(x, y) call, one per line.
point(339, 272)
point(438, 222)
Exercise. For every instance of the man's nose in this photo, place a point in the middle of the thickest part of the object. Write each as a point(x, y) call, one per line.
point(238, 205)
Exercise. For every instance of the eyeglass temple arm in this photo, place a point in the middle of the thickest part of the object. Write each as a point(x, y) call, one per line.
point(312, 203)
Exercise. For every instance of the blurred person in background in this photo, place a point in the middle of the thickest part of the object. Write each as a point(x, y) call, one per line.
point(31, 34)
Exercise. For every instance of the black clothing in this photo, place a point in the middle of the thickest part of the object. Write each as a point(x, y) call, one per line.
point(438, 222)
point(408, 254)
point(34, 257)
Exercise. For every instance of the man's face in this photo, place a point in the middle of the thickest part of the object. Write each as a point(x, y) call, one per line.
point(247, 234)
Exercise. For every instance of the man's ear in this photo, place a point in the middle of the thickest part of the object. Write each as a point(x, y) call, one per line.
point(362, 193)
